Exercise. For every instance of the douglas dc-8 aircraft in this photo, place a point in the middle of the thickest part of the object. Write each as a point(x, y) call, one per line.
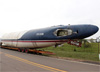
point(46, 37)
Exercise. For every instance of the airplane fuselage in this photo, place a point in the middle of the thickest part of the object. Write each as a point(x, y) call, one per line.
point(50, 36)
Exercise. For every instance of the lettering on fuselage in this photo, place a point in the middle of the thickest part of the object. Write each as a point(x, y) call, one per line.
point(39, 33)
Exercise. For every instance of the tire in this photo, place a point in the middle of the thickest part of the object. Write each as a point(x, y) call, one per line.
point(23, 50)
point(19, 49)
point(26, 51)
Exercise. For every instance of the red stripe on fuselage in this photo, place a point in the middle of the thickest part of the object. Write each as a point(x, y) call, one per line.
point(35, 41)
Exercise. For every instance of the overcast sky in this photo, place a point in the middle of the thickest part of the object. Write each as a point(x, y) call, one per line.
point(19, 15)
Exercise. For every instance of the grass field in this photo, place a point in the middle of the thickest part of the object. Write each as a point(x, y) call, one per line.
point(89, 52)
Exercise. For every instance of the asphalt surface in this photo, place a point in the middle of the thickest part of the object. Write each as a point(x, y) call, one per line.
point(13, 61)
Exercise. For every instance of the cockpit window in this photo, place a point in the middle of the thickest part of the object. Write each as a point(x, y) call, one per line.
point(63, 32)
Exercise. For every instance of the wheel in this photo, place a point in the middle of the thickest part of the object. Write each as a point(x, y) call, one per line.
point(26, 51)
point(19, 49)
point(23, 50)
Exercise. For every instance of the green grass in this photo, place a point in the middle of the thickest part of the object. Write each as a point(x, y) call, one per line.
point(84, 53)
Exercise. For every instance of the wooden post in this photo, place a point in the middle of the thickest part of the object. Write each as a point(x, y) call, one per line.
point(98, 43)
point(98, 47)
point(98, 40)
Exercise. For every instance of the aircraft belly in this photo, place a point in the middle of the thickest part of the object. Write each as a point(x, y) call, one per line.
point(35, 44)
point(45, 44)
point(32, 43)
point(25, 44)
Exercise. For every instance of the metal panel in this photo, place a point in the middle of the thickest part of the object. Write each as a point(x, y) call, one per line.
point(25, 44)
point(45, 44)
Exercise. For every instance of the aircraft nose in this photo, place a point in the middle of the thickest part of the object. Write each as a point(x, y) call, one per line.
point(86, 31)
point(93, 29)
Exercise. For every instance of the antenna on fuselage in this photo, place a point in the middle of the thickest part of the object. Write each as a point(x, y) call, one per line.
point(68, 26)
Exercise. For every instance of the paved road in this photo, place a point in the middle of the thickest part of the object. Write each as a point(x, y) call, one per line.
point(13, 61)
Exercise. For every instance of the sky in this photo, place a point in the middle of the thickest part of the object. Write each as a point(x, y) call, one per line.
point(19, 15)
